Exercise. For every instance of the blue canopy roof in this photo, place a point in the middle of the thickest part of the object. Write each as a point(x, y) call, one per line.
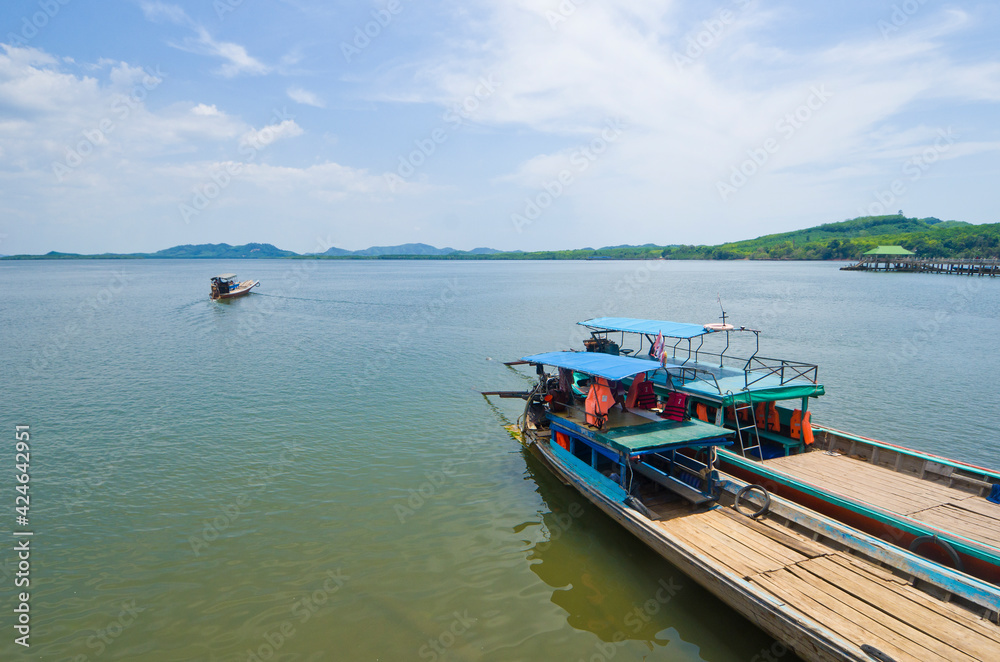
point(598, 364)
point(650, 327)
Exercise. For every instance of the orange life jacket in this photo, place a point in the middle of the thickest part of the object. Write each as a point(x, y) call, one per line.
point(633, 390)
point(761, 415)
point(599, 400)
point(800, 426)
point(701, 411)
point(773, 419)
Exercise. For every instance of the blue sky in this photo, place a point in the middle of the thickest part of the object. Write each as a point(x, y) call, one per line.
point(137, 125)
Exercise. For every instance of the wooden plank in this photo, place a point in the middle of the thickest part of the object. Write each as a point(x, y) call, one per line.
point(834, 616)
point(981, 506)
point(852, 468)
point(878, 486)
point(743, 561)
point(955, 612)
point(832, 469)
point(888, 623)
point(738, 530)
point(966, 523)
point(801, 544)
point(928, 620)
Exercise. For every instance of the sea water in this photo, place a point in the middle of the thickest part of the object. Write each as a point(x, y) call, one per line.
point(310, 473)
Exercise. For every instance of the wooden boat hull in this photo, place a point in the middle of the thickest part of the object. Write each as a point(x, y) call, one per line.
point(811, 640)
point(758, 595)
point(243, 289)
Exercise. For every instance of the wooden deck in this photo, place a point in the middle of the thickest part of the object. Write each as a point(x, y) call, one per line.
point(937, 505)
point(852, 597)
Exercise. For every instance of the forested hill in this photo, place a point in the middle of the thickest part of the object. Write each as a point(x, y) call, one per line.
point(927, 237)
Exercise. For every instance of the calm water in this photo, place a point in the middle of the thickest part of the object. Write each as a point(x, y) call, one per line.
point(309, 473)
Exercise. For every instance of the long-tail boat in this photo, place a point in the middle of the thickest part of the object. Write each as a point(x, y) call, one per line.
point(941, 508)
point(825, 590)
point(225, 286)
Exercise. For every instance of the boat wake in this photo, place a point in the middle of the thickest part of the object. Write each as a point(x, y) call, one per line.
point(357, 303)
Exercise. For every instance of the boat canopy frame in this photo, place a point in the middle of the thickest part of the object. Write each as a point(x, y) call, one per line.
point(755, 368)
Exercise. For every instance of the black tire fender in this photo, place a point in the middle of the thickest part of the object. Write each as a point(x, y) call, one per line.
point(760, 512)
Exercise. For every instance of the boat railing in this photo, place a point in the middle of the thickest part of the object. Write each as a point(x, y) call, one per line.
point(754, 369)
point(691, 374)
point(786, 371)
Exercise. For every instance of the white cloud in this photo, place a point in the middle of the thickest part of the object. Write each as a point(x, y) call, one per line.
point(30, 81)
point(205, 110)
point(306, 97)
point(161, 11)
point(260, 138)
point(237, 59)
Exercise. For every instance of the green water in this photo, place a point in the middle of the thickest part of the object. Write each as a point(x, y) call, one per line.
point(309, 473)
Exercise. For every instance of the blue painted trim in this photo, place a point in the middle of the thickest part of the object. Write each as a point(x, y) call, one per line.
point(586, 473)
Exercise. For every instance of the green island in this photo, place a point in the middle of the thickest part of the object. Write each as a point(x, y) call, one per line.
point(847, 240)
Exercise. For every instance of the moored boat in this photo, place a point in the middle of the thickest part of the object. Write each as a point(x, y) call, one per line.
point(825, 590)
point(941, 508)
point(225, 286)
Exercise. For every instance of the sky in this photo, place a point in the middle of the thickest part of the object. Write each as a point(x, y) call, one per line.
point(136, 125)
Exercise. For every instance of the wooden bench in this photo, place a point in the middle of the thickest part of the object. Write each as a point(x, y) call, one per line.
point(787, 443)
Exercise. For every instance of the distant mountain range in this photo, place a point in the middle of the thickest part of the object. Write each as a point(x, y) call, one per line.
point(930, 237)
point(251, 251)
point(406, 249)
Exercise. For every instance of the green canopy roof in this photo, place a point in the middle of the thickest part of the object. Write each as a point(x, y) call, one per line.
point(889, 250)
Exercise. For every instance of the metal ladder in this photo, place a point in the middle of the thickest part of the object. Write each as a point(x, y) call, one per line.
point(741, 430)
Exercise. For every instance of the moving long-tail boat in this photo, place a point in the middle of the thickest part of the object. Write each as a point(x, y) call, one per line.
point(941, 508)
point(225, 286)
point(826, 590)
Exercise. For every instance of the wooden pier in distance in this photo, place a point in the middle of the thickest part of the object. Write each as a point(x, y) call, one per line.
point(928, 265)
